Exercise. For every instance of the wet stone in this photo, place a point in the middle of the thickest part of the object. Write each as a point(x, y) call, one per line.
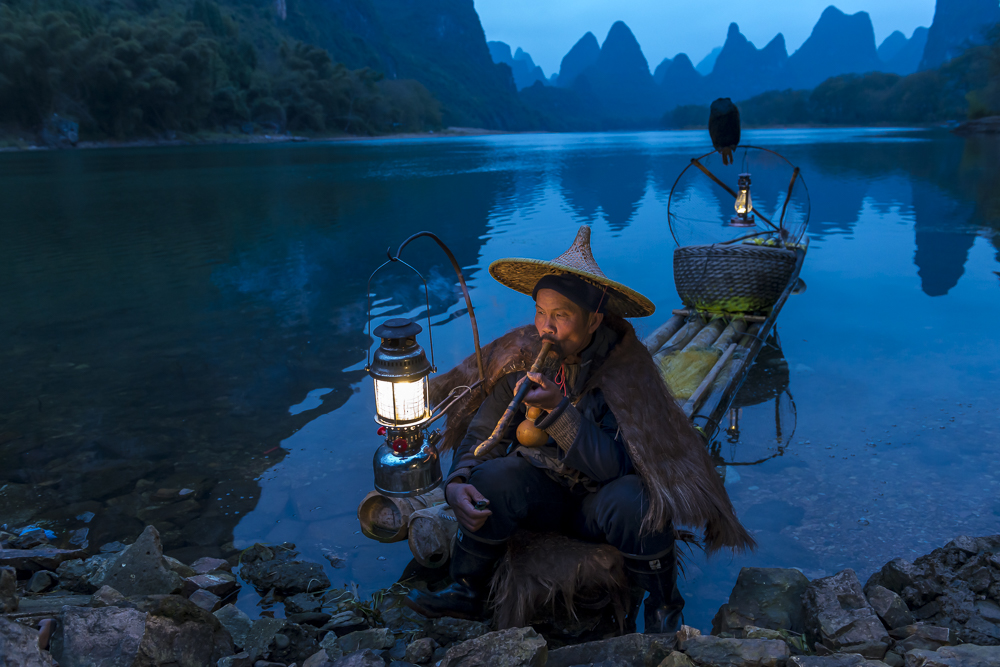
point(330, 645)
point(722, 652)
point(139, 569)
point(677, 659)
point(41, 581)
point(41, 558)
point(219, 584)
point(207, 601)
point(888, 606)
point(841, 660)
point(302, 603)
point(85, 576)
point(378, 639)
point(453, 630)
point(839, 617)
point(966, 655)
point(205, 565)
point(236, 622)
point(260, 638)
point(628, 649)
point(768, 598)
point(420, 650)
point(295, 644)
point(105, 636)
point(19, 646)
point(516, 647)
point(316, 618)
point(106, 597)
point(266, 568)
point(180, 568)
point(8, 590)
point(238, 660)
point(363, 658)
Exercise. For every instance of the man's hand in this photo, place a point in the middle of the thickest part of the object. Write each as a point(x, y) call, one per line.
point(546, 395)
point(462, 498)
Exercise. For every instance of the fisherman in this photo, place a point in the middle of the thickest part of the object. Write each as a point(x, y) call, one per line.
point(621, 463)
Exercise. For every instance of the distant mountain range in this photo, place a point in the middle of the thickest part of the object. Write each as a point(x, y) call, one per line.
point(613, 79)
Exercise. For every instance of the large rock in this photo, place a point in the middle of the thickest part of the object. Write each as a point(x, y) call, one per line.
point(104, 637)
point(839, 617)
point(260, 639)
point(920, 636)
point(888, 606)
point(763, 597)
point(8, 590)
point(139, 569)
point(19, 647)
point(181, 634)
point(966, 655)
point(634, 649)
point(267, 567)
point(722, 652)
point(516, 647)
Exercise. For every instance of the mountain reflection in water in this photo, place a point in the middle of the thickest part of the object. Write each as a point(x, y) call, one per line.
point(194, 318)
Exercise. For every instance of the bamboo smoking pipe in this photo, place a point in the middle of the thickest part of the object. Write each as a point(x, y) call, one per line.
point(489, 443)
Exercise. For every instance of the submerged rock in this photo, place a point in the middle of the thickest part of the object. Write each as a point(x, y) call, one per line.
point(763, 597)
point(516, 647)
point(267, 568)
point(839, 617)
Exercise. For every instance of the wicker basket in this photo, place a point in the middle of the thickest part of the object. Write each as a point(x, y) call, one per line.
point(732, 278)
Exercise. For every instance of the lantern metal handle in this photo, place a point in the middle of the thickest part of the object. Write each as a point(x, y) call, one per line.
point(465, 293)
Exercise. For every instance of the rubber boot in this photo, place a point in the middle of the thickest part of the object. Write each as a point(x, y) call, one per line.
point(472, 565)
point(663, 611)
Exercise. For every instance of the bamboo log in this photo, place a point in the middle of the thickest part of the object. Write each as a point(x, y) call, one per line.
point(386, 519)
point(681, 338)
point(731, 369)
point(431, 533)
point(708, 335)
point(732, 333)
point(695, 399)
point(655, 340)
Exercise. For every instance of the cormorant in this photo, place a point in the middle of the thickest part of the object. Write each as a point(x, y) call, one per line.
point(724, 127)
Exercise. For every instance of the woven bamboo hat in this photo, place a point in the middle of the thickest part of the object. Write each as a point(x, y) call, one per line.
point(523, 274)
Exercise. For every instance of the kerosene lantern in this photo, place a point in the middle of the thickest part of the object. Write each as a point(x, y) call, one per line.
point(744, 205)
point(407, 463)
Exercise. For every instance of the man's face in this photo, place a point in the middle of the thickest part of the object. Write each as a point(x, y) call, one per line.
point(560, 320)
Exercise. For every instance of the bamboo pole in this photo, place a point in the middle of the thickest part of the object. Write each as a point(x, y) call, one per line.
point(681, 338)
point(655, 340)
point(731, 369)
point(708, 335)
point(692, 402)
point(732, 333)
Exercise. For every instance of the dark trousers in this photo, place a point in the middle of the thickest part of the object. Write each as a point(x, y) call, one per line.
point(523, 496)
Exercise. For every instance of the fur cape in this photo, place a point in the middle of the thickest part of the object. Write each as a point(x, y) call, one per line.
point(667, 452)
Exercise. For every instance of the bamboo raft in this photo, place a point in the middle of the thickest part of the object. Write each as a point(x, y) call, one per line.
point(710, 354)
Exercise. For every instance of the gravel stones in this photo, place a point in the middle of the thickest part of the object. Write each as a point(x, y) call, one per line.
point(516, 647)
point(764, 597)
point(839, 617)
point(722, 652)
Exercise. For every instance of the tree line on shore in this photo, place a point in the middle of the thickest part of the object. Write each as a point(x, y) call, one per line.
point(159, 68)
point(965, 87)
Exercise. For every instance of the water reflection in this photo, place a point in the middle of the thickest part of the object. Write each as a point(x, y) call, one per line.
point(194, 318)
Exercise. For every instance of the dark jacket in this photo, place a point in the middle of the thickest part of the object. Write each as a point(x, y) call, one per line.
point(585, 447)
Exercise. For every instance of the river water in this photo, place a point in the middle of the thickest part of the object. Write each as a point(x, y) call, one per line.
point(194, 318)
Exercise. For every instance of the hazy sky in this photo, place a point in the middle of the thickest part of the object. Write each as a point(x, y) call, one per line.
point(547, 29)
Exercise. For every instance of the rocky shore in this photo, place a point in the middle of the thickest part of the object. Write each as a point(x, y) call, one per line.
point(132, 606)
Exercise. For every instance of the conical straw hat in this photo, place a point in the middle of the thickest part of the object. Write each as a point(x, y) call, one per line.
point(523, 274)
